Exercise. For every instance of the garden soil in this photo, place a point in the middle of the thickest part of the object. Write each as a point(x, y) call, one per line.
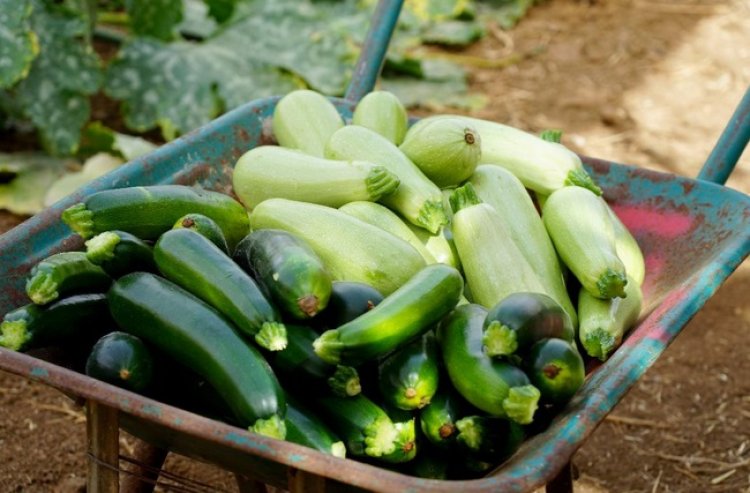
point(645, 82)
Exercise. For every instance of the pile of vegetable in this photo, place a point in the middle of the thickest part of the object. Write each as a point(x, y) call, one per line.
point(379, 291)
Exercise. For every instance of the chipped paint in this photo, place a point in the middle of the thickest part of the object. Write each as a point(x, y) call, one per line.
point(39, 372)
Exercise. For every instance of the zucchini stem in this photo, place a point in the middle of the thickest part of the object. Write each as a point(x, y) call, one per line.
point(432, 215)
point(381, 182)
point(101, 247)
point(521, 403)
point(470, 432)
point(309, 305)
point(579, 178)
point(42, 287)
point(599, 344)
point(551, 135)
point(272, 336)
point(345, 381)
point(13, 334)
point(338, 449)
point(80, 220)
point(273, 427)
point(380, 437)
point(404, 443)
point(464, 197)
point(612, 284)
point(328, 347)
point(499, 340)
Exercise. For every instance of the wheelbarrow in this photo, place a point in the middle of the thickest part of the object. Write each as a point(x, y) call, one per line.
point(693, 232)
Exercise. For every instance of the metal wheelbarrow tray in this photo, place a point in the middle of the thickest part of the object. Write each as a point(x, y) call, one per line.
point(693, 234)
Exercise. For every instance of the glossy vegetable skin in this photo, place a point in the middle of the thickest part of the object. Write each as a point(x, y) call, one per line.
point(409, 376)
point(348, 301)
point(122, 360)
point(557, 369)
point(205, 226)
point(304, 427)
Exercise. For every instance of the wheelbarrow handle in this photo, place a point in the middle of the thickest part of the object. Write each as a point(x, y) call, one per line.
point(730, 145)
point(373, 52)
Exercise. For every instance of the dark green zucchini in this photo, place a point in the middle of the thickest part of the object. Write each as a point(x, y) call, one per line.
point(489, 438)
point(349, 300)
point(408, 377)
point(174, 321)
point(289, 270)
point(67, 320)
point(429, 465)
point(305, 428)
point(205, 226)
point(405, 314)
point(521, 319)
point(122, 360)
point(405, 443)
point(120, 253)
point(438, 419)
point(147, 212)
point(63, 274)
point(304, 370)
point(495, 387)
point(191, 261)
point(557, 369)
point(363, 425)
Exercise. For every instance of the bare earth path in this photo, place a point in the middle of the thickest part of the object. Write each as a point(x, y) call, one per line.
point(634, 81)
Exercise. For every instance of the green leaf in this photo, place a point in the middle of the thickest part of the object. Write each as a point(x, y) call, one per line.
point(221, 10)
point(31, 175)
point(453, 33)
point(506, 13)
point(154, 18)
point(18, 43)
point(97, 138)
point(54, 96)
point(197, 21)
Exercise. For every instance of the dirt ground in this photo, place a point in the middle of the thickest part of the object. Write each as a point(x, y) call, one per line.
point(645, 82)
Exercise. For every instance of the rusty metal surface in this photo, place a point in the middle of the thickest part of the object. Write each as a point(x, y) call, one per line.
point(693, 234)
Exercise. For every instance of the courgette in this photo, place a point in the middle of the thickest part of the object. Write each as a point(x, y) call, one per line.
point(494, 267)
point(119, 253)
point(348, 301)
point(581, 230)
point(494, 386)
point(363, 425)
point(557, 369)
point(387, 220)
point(305, 120)
point(190, 331)
point(405, 443)
point(287, 269)
point(304, 427)
point(122, 360)
point(438, 418)
point(351, 249)
point(439, 245)
point(541, 166)
point(417, 199)
point(429, 465)
point(520, 320)
point(193, 262)
point(409, 376)
point(147, 212)
point(269, 172)
point(446, 150)
point(304, 370)
point(403, 315)
point(382, 112)
point(63, 274)
point(489, 438)
point(603, 323)
point(70, 319)
point(205, 226)
point(506, 194)
point(627, 249)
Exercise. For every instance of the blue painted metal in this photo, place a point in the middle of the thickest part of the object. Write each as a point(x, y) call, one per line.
point(730, 146)
point(371, 59)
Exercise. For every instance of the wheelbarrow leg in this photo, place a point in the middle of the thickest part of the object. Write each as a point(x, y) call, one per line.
point(304, 482)
point(563, 482)
point(143, 474)
point(103, 433)
point(247, 484)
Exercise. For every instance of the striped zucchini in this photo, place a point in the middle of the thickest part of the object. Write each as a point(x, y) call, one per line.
point(268, 172)
point(387, 220)
point(581, 230)
point(417, 199)
point(382, 112)
point(351, 249)
point(493, 266)
point(305, 120)
point(507, 195)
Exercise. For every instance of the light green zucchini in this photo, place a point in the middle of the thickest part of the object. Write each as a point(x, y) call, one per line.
point(382, 112)
point(305, 120)
point(351, 249)
point(440, 245)
point(268, 172)
point(581, 230)
point(387, 220)
point(417, 199)
point(628, 249)
point(507, 195)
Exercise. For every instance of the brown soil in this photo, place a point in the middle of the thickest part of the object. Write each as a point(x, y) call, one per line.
point(634, 81)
